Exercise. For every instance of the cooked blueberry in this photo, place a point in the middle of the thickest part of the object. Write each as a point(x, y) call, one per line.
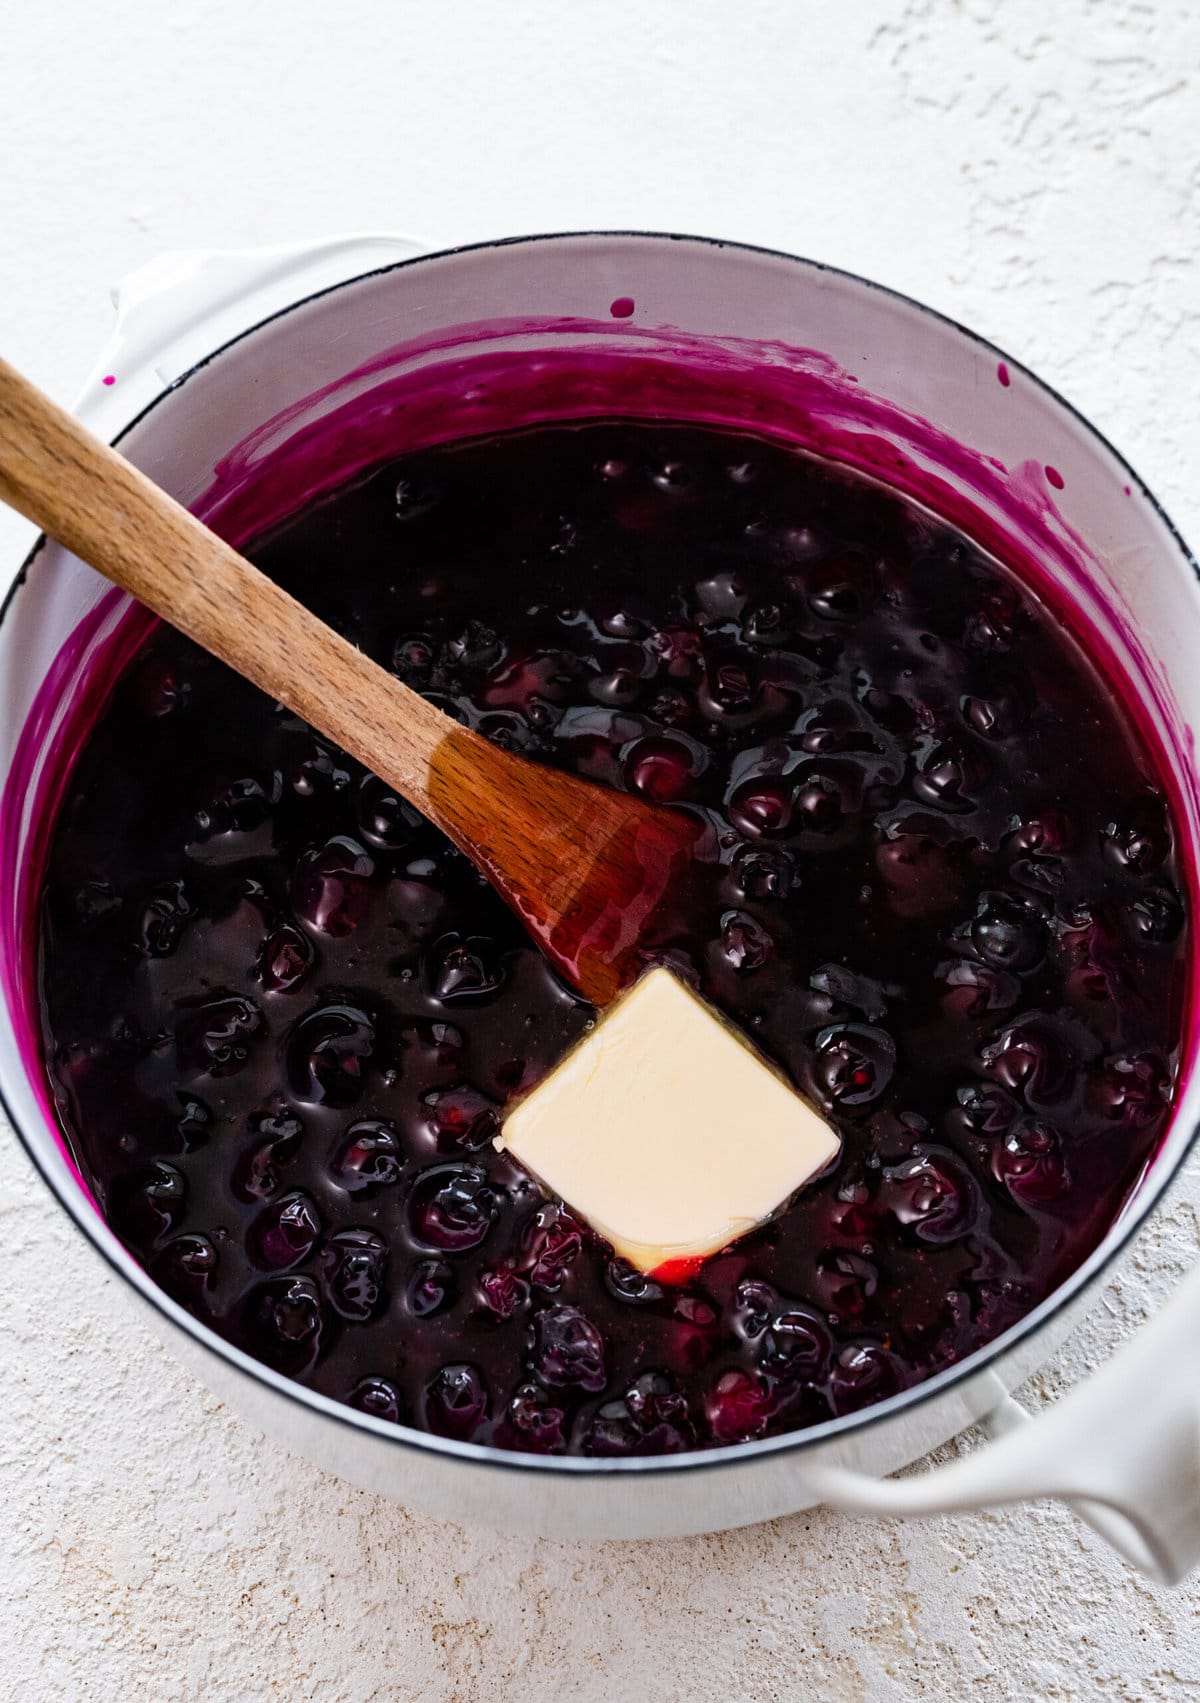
point(739, 1406)
point(1155, 916)
point(1007, 933)
point(326, 1054)
point(568, 1349)
point(853, 1063)
point(503, 1292)
point(745, 942)
point(463, 1119)
point(275, 1142)
point(864, 1373)
point(333, 887)
point(186, 1268)
point(215, 1035)
point(456, 1402)
point(1030, 1161)
point(935, 1194)
point(430, 1286)
point(533, 1421)
point(1138, 836)
point(550, 1243)
point(285, 959)
point(652, 1418)
point(286, 1233)
point(164, 917)
point(377, 1397)
point(285, 1322)
point(354, 1264)
point(463, 971)
point(452, 1207)
point(149, 1204)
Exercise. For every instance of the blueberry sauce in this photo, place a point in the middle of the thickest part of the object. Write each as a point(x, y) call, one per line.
point(282, 1016)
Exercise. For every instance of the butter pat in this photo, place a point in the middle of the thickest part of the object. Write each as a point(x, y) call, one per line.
point(666, 1131)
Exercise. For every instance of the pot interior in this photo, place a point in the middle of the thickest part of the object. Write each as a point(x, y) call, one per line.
point(469, 343)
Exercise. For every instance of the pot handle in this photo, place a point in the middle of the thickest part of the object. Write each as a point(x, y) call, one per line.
point(180, 306)
point(1122, 1449)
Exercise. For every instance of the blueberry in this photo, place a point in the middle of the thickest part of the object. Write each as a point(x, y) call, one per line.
point(465, 971)
point(1155, 916)
point(385, 821)
point(550, 1243)
point(504, 1293)
point(651, 1418)
point(452, 1207)
point(626, 1283)
point(333, 886)
point(149, 1204)
point(412, 660)
point(368, 1158)
point(456, 1402)
point(1138, 836)
point(285, 1234)
point(744, 942)
point(765, 873)
point(660, 769)
point(186, 1268)
point(277, 1142)
point(463, 1119)
point(214, 1035)
point(164, 917)
point(533, 1421)
point(377, 1397)
point(853, 1063)
point(1031, 1163)
point(864, 1373)
point(326, 1054)
point(739, 1406)
point(934, 1194)
point(285, 1323)
point(430, 1286)
point(285, 959)
point(354, 1264)
point(1008, 933)
point(568, 1350)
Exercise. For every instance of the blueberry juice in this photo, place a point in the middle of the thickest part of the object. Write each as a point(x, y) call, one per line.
point(282, 1016)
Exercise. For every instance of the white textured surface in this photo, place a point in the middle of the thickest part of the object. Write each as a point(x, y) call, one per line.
point(1032, 169)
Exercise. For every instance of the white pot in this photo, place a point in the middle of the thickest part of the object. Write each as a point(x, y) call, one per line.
point(212, 352)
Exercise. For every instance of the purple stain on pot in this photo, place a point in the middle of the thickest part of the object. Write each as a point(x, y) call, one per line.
point(491, 377)
point(622, 308)
point(109, 378)
point(1055, 478)
point(1002, 375)
point(67, 706)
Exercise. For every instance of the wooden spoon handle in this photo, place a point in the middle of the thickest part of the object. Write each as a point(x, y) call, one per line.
point(89, 498)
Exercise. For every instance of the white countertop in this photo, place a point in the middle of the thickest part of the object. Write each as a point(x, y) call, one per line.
point(1031, 169)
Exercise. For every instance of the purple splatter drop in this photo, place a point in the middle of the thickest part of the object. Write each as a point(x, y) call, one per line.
point(622, 308)
point(1002, 375)
point(109, 378)
point(1055, 478)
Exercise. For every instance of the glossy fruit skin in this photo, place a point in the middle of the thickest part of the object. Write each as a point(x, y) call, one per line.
point(284, 1016)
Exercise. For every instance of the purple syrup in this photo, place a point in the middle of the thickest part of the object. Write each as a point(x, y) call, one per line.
point(283, 1015)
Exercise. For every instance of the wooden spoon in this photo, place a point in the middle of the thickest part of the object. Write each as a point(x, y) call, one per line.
point(582, 866)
